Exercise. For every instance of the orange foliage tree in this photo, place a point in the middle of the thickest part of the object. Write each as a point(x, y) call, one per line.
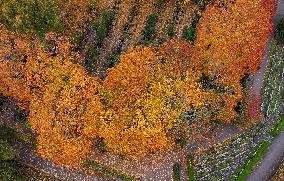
point(145, 96)
point(231, 37)
point(141, 101)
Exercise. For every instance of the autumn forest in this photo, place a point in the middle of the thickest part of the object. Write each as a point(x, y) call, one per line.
point(131, 78)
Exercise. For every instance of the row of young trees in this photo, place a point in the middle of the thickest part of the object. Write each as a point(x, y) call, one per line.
point(138, 109)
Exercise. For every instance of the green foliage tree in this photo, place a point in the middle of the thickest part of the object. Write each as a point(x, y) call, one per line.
point(38, 16)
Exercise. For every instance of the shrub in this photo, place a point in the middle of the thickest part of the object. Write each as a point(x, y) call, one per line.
point(280, 30)
point(170, 30)
point(93, 52)
point(189, 33)
point(102, 27)
point(38, 16)
point(195, 20)
point(176, 172)
point(6, 151)
point(149, 31)
point(10, 170)
point(91, 64)
point(111, 60)
point(76, 38)
point(160, 4)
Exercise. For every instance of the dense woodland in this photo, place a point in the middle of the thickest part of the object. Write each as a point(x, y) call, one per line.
point(130, 77)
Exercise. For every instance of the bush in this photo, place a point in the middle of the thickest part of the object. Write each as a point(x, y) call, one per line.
point(91, 64)
point(160, 4)
point(112, 60)
point(195, 20)
point(170, 30)
point(189, 33)
point(102, 27)
point(280, 30)
point(6, 151)
point(10, 170)
point(176, 172)
point(93, 52)
point(20, 115)
point(76, 38)
point(149, 31)
point(38, 16)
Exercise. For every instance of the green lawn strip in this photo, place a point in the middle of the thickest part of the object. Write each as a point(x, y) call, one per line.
point(90, 164)
point(176, 172)
point(253, 160)
point(190, 170)
point(278, 128)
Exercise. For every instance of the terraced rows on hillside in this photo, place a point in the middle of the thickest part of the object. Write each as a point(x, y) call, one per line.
point(128, 25)
point(226, 160)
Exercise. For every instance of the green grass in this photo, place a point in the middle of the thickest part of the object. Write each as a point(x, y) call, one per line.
point(108, 171)
point(176, 172)
point(38, 16)
point(278, 128)
point(249, 167)
point(190, 169)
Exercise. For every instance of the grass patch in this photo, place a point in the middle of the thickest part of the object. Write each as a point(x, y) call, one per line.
point(248, 168)
point(176, 172)
point(190, 169)
point(108, 171)
point(278, 128)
